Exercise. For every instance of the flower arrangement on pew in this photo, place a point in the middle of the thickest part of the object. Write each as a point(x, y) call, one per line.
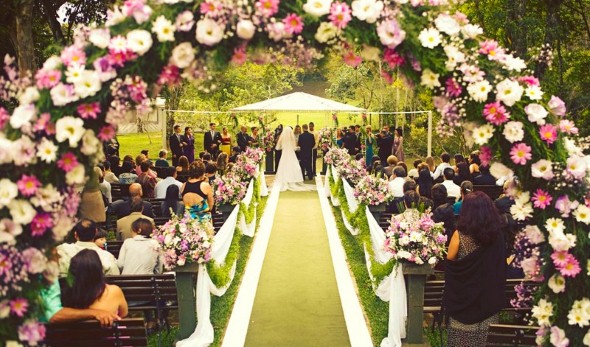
point(184, 240)
point(230, 189)
point(414, 237)
point(325, 141)
point(268, 141)
point(256, 155)
point(352, 170)
point(336, 156)
point(372, 191)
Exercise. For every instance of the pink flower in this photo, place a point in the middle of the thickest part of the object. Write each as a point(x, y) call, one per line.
point(27, 185)
point(41, 222)
point(571, 269)
point(293, 24)
point(495, 113)
point(138, 9)
point(106, 133)
point(267, 8)
point(548, 133)
point(453, 88)
point(239, 56)
point(530, 81)
point(67, 162)
point(44, 124)
point(557, 106)
point(392, 58)
point(19, 306)
point(340, 14)
point(32, 332)
point(89, 111)
point(47, 78)
point(4, 117)
point(520, 153)
point(492, 50)
point(170, 75)
point(560, 258)
point(73, 55)
point(557, 337)
point(352, 59)
point(387, 77)
point(565, 126)
point(211, 7)
point(485, 155)
point(541, 199)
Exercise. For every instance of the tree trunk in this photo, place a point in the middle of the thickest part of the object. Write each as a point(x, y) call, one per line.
point(51, 16)
point(24, 37)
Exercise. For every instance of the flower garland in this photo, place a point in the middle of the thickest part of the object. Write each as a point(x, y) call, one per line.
point(371, 190)
point(52, 138)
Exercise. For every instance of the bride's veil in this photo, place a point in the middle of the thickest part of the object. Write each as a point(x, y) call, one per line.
point(286, 140)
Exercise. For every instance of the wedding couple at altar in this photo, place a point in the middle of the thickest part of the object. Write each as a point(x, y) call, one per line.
point(291, 170)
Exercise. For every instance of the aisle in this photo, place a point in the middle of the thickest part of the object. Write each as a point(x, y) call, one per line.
point(297, 301)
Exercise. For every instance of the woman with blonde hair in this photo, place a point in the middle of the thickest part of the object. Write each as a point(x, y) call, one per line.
point(225, 141)
point(430, 163)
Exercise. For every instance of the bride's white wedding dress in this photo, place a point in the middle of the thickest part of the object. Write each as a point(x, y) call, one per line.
point(289, 176)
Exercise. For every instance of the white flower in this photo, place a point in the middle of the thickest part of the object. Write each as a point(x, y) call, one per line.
point(21, 211)
point(571, 147)
point(209, 32)
point(245, 29)
point(582, 214)
point(88, 84)
point(48, 198)
point(8, 231)
point(513, 131)
point(119, 43)
point(482, 134)
point(164, 29)
point(561, 242)
point(513, 64)
point(454, 57)
point(326, 32)
point(390, 33)
point(586, 340)
point(47, 150)
point(35, 260)
point(69, 129)
point(542, 312)
point(74, 72)
point(8, 191)
point(418, 261)
point(430, 38)
point(509, 92)
point(24, 151)
point(29, 96)
point(471, 31)
point(276, 31)
point(367, 10)
point(534, 93)
point(317, 8)
point(580, 313)
point(536, 113)
point(542, 169)
point(576, 166)
point(432, 260)
point(521, 211)
point(500, 170)
point(479, 90)
point(557, 283)
point(6, 150)
point(430, 79)
point(62, 94)
point(555, 225)
point(100, 37)
point(22, 115)
point(183, 55)
point(76, 176)
point(185, 21)
point(90, 143)
point(534, 234)
point(447, 24)
point(63, 225)
point(139, 41)
point(557, 337)
point(52, 63)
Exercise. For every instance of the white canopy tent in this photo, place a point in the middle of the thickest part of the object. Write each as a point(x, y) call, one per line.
point(299, 101)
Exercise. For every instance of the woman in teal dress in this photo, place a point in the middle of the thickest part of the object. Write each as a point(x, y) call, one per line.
point(339, 136)
point(197, 194)
point(369, 142)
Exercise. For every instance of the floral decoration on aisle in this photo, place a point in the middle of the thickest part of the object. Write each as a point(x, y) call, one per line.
point(49, 142)
point(372, 191)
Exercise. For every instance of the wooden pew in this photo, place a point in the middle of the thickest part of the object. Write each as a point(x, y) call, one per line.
point(126, 332)
point(501, 335)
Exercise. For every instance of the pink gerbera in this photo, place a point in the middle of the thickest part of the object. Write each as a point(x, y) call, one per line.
point(340, 14)
point(44, 124)
point(89, 111)
point(392, 58)
point(453, 88)
point(47, 78)
point(352, 59)
point(4, 117)
point(568, 127)
point(267, 7)
point(560, 259)
point(28, 185)
point(41, 222)
point(67, 162)
point(492, 49)
point(239, 56)
point(495, 113)
point(530, 81)
point(211, 7)
point(548, 133)
point(73, 55)
point(106, 133)
point(520, 153)
point(293, 24)
point(541, 199)
point(485, 155)
point(571, 269)
point(19, 306)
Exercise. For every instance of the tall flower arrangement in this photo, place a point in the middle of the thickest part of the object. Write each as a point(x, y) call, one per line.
point(336, 156)
point(325, 140)
point(352, 170)
point(268, 141)
point(371, 190)
point(230, 189)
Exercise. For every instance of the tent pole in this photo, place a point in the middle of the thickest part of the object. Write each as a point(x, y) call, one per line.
point(429, 133)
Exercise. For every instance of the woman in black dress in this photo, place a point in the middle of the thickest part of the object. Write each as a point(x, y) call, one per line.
point(188, 141)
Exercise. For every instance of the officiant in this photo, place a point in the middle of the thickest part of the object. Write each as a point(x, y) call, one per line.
point(306, 143)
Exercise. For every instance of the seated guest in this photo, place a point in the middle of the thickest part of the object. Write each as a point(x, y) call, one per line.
point(122, 208)
point(424, 181)
point(377, 168)
point(183, 165)
point(484, 178)
point(109, 175)
point(84, 233)
point(127, 175)
point(411, 199)
point(92, 205)
point(442, 210)
point(162, 161)
point(206, 158)
point(146, 152)
point(103, 185)
point(124, 224)
point(100, 239)
point(466, 188)
point(234, 154)
point(170, 179)
point(396, 183)
point(445, 159)
point(88, 288)
point(139, 254)
point(359, 157)
point(453, 190)
point(115, 167)
point(210, 171)
point(222, 159)
point(506, 200)
point(461, 170)
point(197, 194)
point(413, 173)
point(172, 202)
point(391, 163)
point(148, 183)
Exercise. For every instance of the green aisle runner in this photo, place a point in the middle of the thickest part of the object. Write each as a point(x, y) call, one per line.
point(297, 301)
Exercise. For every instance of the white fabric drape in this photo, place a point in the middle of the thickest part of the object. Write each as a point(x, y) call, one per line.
point(263, 186)
point(349, 192)
point(377, 239)
point(327, 190)
point(248, 229)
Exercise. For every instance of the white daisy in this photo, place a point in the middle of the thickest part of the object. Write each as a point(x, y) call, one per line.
point(430, 38)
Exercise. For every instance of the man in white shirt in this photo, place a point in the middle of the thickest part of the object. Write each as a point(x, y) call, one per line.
point(453, 190)
point(396, 184)
point(446, 159)
point(162, 186)
point(84, 233)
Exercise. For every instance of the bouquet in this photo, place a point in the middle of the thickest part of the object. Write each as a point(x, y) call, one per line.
point(325, 141)
point(246, 167)
point(229, 189)
point(268, 141)
point(254, 154)
point(371, 190)
point(336, 156)
point(184, 241)
point(416, 238)
point(352, 170)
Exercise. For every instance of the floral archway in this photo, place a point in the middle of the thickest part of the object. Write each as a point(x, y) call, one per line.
point(49, 142)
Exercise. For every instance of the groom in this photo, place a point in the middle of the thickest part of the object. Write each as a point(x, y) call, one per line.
point(306, 144)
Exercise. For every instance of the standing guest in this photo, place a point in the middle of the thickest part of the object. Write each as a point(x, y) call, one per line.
point(445, 159)
point(466, 188)
point(113, 169)
point(475, 273)
point(124, 224)
point(139, 254)
point(306, 144)
point(183, 165)
point(172, 203)
point(235, 152)
point(122, 208)
point(357, 133)
point(84, 232)
point(384, 142)
point(127, 175)
point(314, 154)
point(255, 137)
point(100, 239)
point(170, 179)
point(88, 288)
point(398, 144)
point(197, 194)
point(349, 141)
point(413, 173)
point(391, 164)
point(430, 163)
point(453, 190)
point(92, 205)
point(225, 141)
point(162, 161)
point(244, 140)
point(424, 182)
point(339, 136)
point(188, 144)
point(103, 185)
point(175, 143)
point(222, 161)
point(396, 183)
point(484, 178)
point(369, 142)
point(442, 210)
point(148, 183)
point(212, 140)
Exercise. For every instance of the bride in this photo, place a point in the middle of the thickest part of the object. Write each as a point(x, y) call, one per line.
point(289, 176)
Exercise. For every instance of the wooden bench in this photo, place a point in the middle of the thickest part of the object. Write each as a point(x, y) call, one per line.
point(493, 192)
point(126, 332)
point(118, 191)
point(501, 335)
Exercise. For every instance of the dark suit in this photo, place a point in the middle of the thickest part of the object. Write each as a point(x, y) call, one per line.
point(175, 147)
point(122, 208)
point(244, 140)
point(306, 143)
point(349, 141)
point(484, 180)
point(384, 143)
point(212, 140)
